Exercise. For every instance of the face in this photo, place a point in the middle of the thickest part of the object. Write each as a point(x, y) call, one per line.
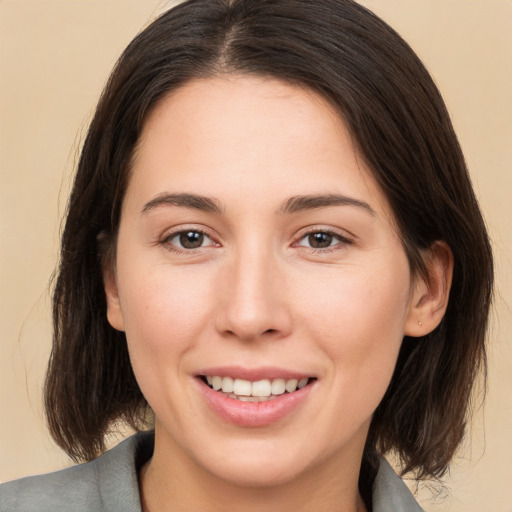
point(260, 281)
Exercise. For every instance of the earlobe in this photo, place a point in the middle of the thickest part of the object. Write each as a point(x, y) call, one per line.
point(430, 295)
point(114, 312)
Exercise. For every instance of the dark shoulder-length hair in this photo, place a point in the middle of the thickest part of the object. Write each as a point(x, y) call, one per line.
point(403, 131)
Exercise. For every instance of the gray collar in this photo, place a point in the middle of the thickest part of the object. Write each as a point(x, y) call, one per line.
point(390, 494)
point(109, 484)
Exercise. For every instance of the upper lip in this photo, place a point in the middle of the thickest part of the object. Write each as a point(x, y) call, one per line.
point(254, 374)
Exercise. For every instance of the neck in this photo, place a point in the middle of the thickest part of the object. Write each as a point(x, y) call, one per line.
point(170, 481)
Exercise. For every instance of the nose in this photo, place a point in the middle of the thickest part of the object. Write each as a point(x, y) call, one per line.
point(254, 302)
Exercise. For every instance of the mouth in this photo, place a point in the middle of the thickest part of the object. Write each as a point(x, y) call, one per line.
point(262, 390)
point(255, 397)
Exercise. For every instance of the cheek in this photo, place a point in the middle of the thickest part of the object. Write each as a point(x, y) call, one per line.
point(165, 312)
point(164, 309)
point(358, 322)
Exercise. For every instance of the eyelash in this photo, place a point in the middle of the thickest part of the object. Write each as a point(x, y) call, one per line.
point(341, 240)
point(167, 241)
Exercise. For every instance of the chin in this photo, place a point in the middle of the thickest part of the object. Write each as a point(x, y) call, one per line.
point(257, 474)
point(262, 462)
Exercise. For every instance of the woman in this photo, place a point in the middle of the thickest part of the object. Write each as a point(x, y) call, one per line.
point(273, 246)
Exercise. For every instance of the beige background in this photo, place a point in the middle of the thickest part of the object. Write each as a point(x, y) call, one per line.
point(55, 57)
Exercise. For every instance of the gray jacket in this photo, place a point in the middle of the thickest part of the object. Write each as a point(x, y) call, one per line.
point(109, 484)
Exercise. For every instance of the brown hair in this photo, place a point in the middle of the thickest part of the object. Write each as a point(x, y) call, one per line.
point(399, 121)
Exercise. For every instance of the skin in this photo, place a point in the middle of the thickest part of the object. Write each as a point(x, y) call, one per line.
point(256, 294)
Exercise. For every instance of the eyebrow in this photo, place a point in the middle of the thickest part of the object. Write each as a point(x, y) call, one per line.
point(196, 202)
point(292, 205)
point(302, 203)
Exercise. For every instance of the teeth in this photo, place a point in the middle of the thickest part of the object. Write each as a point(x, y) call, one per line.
point(249, 398)
point(261, 388)
point(227, 385)
point(242, 387)
point(217, 383)
point(257, 391)
point(302, 382)
point(278, 386)
point(291, 385)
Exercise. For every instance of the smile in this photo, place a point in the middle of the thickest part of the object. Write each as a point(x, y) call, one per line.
point(254, 391)
point(257, 397)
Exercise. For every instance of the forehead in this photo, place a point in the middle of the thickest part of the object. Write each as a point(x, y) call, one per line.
point(243, 108)
point(245, 135)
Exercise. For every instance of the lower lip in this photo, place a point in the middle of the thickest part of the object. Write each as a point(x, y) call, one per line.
point(254, 414)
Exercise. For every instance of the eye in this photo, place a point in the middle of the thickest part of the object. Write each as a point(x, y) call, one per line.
point(189, 239)
point(318, 240)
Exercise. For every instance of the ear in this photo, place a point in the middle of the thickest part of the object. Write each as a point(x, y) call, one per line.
point(114, 312)
point(430, 294)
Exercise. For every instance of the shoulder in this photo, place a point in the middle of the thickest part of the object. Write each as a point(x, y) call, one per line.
point(104, 484)
point(54, 491)
point(390, 494)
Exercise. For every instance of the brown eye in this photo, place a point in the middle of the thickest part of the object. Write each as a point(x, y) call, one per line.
point(191, 239)
point(188, 240)
point(320, 240)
